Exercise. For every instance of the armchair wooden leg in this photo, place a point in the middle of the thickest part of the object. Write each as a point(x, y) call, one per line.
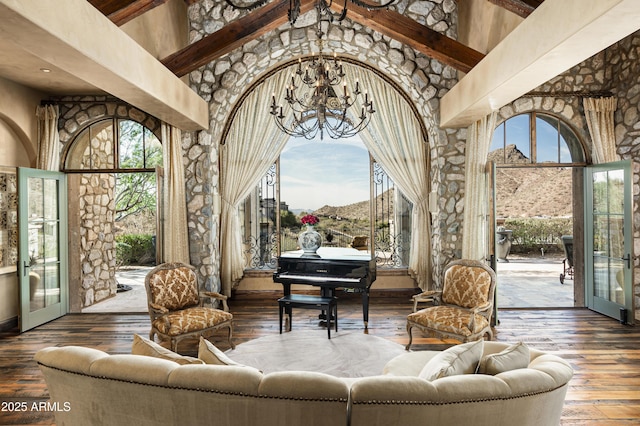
point(409, 328)
point(233, 346)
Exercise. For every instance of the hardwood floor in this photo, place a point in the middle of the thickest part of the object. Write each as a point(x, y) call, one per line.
point(605, 389)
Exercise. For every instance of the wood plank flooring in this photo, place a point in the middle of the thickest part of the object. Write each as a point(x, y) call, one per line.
point(605, 389)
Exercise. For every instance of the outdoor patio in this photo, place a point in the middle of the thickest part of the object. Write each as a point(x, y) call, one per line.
point(522, 283)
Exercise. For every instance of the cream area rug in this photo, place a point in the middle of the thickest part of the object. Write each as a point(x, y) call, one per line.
point(346, 354)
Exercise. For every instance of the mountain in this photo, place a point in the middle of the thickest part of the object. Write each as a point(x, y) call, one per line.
point(531, 191)
point(360, 209)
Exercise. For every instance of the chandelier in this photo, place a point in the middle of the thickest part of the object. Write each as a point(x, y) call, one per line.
point(314, 105)
point(315, 102)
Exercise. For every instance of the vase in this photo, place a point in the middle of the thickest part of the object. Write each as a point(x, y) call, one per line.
point(310, 240)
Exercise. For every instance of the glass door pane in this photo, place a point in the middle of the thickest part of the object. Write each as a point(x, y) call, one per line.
point(608, 226)
point(41, 196)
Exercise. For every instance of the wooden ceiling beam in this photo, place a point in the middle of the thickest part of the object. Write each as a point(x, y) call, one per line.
point(522, 8)
point(232, 36)
point(122, 11)
point(415, 35)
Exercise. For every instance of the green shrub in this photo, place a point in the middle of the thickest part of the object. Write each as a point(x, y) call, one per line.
point(135, 249)
point(531, 234)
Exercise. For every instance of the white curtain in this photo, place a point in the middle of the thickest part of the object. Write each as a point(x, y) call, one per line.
point(48, 138)
point(252, 145)
point(175, 233)
point(474, 238)
point(599, 114)
point(395, 141)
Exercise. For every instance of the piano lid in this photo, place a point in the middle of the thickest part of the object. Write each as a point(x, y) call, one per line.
point(331, 253)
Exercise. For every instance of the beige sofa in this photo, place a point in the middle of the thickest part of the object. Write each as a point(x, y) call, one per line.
point(104, 389)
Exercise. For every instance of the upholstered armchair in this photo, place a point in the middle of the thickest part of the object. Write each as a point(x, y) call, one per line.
point(463, 308)
point(176, 306)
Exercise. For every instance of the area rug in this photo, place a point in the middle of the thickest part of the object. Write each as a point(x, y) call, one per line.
point(346, 354)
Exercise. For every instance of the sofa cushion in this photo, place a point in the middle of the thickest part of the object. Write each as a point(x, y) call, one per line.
point(210, 354)
point(142, 346)
point(513, 357)
point(459, 359)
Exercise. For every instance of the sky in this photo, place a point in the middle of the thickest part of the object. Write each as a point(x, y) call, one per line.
point(316, 173)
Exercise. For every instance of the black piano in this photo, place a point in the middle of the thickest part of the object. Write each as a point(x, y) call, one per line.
point(330, 269)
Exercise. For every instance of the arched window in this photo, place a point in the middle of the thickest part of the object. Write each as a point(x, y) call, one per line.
point(114, 145)
point(535, 138)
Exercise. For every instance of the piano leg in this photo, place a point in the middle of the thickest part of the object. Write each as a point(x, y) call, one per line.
point(365, 308)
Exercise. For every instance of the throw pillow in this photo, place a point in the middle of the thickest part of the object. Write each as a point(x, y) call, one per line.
point(146, 347)
point(208, 353)
point(459, 359)
point(511, 358)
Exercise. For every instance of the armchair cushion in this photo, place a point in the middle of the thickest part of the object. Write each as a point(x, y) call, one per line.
point(459, 359)
point(449, 319)
point(511, 358)
point(190, 320)
point(146, 347)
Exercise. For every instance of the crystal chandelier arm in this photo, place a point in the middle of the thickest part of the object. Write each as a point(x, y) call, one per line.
point(249, 6)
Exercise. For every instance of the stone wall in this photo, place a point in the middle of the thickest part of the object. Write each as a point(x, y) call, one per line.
point(96, 215)
point(223, 81)
point(623, 71)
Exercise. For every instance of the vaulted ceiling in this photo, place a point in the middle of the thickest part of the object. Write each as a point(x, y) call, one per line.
point(274, 14)
point(36, 35)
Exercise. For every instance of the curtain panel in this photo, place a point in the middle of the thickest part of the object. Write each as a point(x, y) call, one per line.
point(599, 115)
point(474, 236)
point(395, 140)
point(175, 230)
point(253, 144)
point(48, 138)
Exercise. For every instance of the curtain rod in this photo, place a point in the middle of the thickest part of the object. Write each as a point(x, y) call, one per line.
point(596, 94)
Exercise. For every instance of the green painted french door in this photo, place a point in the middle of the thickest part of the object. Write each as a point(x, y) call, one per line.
point(608, 240)
point(42, 256)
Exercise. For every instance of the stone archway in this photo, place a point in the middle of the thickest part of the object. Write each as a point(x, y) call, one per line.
point(222, 83)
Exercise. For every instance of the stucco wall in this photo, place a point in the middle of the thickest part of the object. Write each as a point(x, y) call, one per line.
point(17, 131)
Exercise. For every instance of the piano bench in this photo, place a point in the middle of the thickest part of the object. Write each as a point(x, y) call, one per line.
point(327, 304)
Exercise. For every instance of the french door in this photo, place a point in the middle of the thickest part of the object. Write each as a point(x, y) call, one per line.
point(42, 255)
point(608, 239)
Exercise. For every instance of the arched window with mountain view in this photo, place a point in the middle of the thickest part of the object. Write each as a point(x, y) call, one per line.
point(357, 203)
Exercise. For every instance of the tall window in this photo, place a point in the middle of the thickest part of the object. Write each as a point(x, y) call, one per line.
point(535, 138)
point(378, 218)
point(117, 159)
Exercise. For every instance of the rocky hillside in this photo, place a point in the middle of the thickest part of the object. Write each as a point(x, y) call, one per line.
point(530, 192)
point(360, 209)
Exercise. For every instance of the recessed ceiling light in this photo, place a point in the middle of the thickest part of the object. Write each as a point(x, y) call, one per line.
point(45, 70)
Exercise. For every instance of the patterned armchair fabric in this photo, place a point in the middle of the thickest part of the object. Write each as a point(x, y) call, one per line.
point(463, 308)
point(176, 307)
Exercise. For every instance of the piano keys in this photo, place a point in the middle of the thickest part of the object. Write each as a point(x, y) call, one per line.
point(331, 268)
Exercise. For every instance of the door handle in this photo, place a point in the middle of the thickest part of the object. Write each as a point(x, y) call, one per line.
point(627, 258)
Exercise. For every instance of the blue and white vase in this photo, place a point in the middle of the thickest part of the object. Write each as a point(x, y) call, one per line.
point(310, 240)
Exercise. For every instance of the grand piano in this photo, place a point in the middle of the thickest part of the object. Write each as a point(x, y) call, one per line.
point(331, 268)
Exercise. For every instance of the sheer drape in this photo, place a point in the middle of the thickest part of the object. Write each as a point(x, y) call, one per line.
point(474, 237)
point(48, 138)
point(395, 141)
point(251, 147)
point(599, 114)
point(175, 236)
